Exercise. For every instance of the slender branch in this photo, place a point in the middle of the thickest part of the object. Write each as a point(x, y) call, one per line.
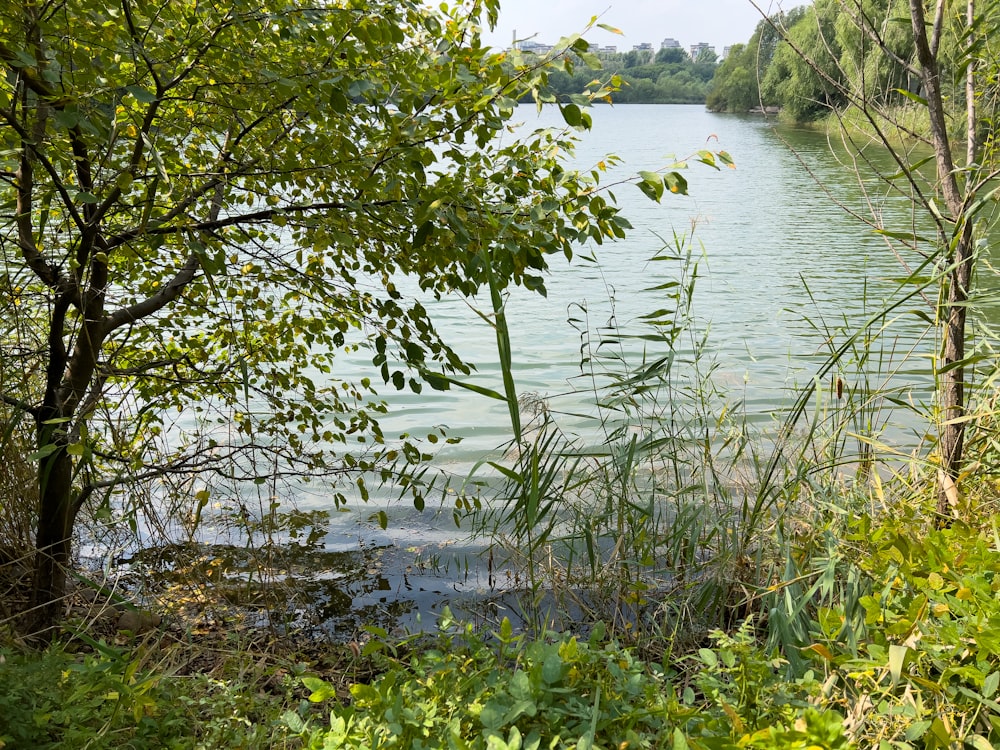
point(167, 294)
point(256, 217)
point(971, 142)
point(20, 405)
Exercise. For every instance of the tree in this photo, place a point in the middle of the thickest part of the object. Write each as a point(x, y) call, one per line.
point(186, 231)
point(803, 75)
point(884, 74)
point(923, 72)
point(707, 57)
point(671, 56)
point(736, 81)
point(636, 57)
point(734, 86)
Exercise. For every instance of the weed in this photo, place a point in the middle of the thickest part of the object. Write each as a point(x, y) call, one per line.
point(556, 692)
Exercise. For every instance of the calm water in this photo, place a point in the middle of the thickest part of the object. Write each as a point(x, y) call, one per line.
point(780, 263)
point(778, 258)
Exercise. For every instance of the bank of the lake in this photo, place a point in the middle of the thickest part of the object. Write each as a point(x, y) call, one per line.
point(784, 273)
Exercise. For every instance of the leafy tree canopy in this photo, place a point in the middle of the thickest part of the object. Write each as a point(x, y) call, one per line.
point(205, 204)
point(671, 55)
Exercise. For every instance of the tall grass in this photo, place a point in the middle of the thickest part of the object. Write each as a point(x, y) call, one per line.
point(678, 515)
point(653, 521)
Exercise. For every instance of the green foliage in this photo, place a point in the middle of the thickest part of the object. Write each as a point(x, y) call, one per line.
point(306, 211)
point(755, 703)
point(736, 673)
point(56, 699)
point(735, 85)
point(927, 669)
point(818, 58)
point(556, 692)
point(804, 75)
point(670, 55)
point(667, 79)
point(879, 74)
point(187, 234)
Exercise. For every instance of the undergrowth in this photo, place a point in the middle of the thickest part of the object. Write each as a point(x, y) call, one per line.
point(714, 589)
point(115, 697)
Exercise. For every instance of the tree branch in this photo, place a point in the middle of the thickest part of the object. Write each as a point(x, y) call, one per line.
point(20, 405)
point(167, 294)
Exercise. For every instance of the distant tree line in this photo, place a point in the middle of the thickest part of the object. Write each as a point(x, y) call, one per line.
point(803, 60)
point(668, 77)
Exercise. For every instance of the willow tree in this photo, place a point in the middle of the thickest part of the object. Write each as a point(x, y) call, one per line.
point(736, 84)
point(203, 204)
point(923, 72)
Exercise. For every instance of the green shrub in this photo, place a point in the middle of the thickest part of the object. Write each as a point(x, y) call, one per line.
point(556, 692)
point(926, 672)
point(56, 699)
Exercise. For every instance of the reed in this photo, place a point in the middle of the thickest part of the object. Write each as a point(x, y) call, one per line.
point(680, 514)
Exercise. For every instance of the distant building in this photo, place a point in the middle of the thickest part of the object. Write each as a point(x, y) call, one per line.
point(534, 47)
point(697, 49)
point(644, 47)
point(669, 43)
point(726, 50)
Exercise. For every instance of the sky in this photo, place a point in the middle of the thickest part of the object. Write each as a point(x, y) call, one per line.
point(717, 22)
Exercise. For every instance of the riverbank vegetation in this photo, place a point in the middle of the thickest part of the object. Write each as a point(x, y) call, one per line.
point(918, 83)
point(185, 235)
point(669, 76)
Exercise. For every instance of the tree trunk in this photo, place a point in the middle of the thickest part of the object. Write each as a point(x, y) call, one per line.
point(952, 386)
point(53, 541)
point(952, 397)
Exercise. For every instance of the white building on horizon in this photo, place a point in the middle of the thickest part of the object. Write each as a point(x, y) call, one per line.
point(697, 49)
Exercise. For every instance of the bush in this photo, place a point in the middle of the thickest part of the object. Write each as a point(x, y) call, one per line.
point(560, 693)
point(57, 699)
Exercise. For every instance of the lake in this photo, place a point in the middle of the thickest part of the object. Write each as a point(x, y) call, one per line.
point(780, 266)
point(778, 263)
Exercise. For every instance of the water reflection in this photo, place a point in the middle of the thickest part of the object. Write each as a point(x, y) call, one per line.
point(785, 273)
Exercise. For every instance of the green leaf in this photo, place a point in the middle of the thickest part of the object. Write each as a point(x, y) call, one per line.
point(24, 59)
point(897, 657)
point(552, 668)
point(917, 730)
point(651, 184)
point(423, 232)
point(990, 684)
point(141, 94)
point(338, 101)
point(708, 656)
point(676, 183)
point(903, 236)
point(571, 114)
point(320, 690)
point(912, 97)
point(43, 452)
